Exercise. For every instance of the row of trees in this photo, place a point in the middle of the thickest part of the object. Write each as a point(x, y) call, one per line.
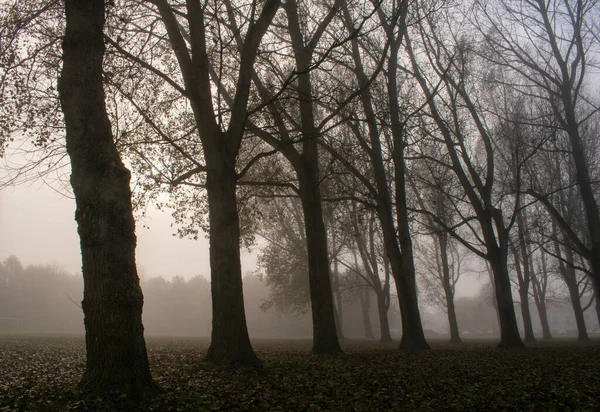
point(473, 121)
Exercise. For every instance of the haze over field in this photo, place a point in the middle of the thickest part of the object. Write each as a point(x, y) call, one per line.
point(38, 226)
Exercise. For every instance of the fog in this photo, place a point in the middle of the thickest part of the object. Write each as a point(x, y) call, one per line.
point(38, 229)
point(37, 225)
point(46, 299)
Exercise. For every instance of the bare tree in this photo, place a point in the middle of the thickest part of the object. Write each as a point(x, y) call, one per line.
point(552, 46)
point(448, 89)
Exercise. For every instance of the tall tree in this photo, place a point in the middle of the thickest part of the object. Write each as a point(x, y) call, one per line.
point(220, 144)
point(367, 241)
point(523, 269)
point(443, 264)
point(384, 182)
point(116, 357)
point(449, 94)
point(551, 46)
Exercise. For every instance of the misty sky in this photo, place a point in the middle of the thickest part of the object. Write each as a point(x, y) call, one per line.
point(37, 225)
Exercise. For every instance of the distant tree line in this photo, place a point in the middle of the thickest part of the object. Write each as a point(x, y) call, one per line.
point(46, 299)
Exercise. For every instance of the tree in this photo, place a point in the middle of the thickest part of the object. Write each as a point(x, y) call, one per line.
point(295, 133)
point(551, 46)
point(367, 242)
point(367, 122)
point(284, 257)
point(220, 148)
point(449, 94)
point(442, 265)
point(116, 358)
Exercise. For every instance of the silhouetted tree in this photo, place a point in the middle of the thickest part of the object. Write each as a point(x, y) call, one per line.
point(116, 358)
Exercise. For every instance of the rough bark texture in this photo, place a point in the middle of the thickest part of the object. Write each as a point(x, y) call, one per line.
point(116, 360)
point(230, 342)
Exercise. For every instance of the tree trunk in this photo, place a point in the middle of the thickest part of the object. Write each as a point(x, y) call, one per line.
point(598, 306)
point(494, 300)
point(509, 332)
point(525, 312)
point(116, 360)
point(524, 296)
point(338, 316)
point(230, 343)
point(584, 181)
point(568, 273)
point(540, 304)
point(325, 339)
point(339, 304)
point(384, 323)
point(524, 275)
point(365, 305)
point(412, 333)
point(448, 290)
point(306, 165)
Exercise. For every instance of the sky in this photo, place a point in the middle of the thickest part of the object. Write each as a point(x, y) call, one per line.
point(37, 225)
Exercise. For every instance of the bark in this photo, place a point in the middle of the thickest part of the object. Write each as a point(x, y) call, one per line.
point(230, 342)
point(368, 257)
point(524, 275)
point(398, 246)
point(413, 337)
point(571, 70)
point(539, 293)
point(493, 297)
point(598, 305)
point(583, 180)
point(116, 359)
point(448, 289)
point(479, 193)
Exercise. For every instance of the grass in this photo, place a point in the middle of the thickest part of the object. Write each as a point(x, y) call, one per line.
point(40, 373)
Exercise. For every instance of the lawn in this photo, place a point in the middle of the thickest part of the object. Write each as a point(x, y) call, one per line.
point(40, 373)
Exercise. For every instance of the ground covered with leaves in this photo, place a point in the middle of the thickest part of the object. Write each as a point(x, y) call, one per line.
point(41, 373)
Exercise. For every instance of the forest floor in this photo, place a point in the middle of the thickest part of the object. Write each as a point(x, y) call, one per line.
point(41, 373)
